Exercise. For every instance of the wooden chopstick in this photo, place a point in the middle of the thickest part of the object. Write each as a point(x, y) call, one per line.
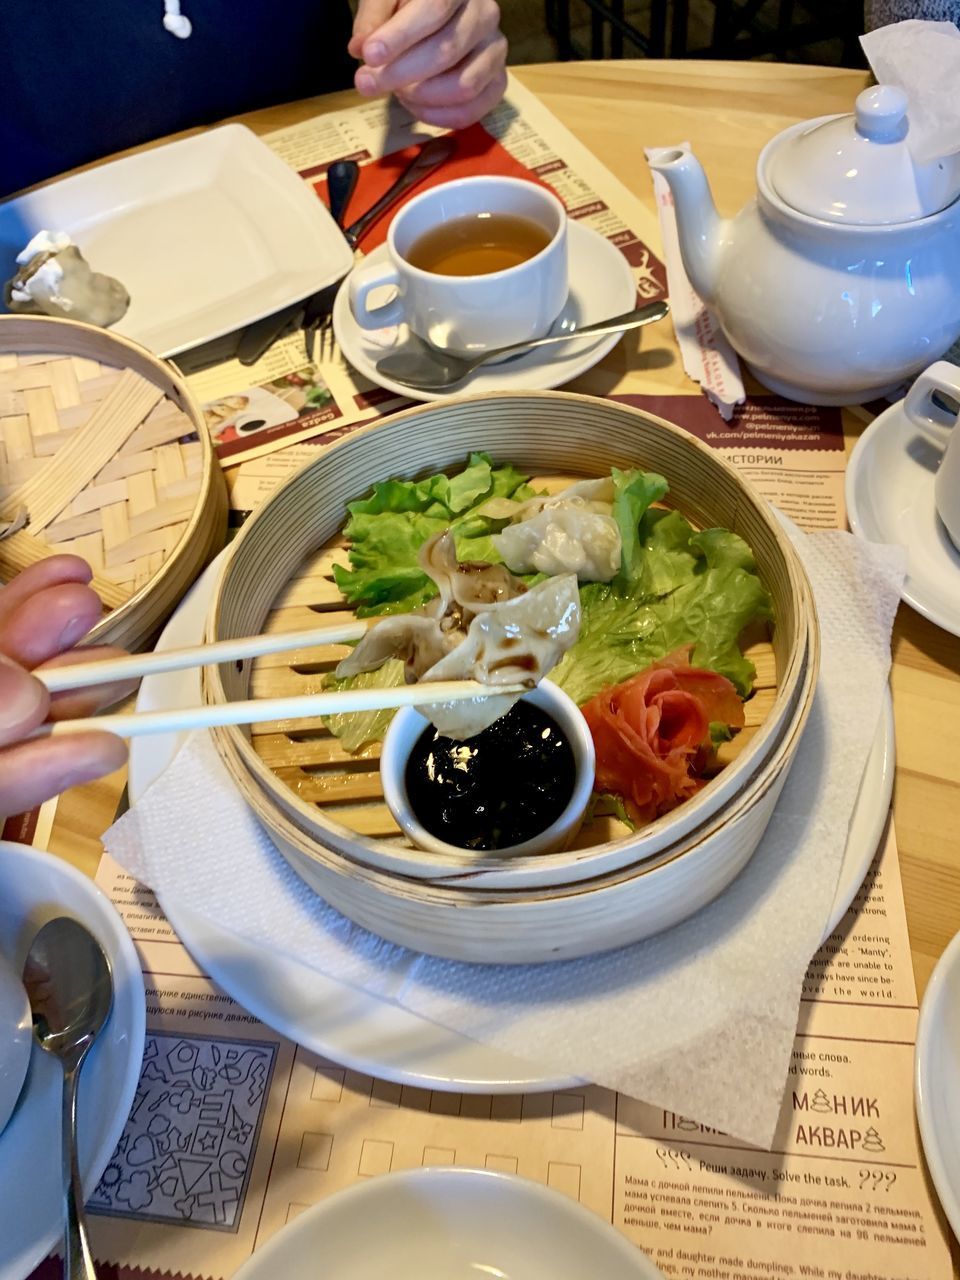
point(135, 724)
point(81, 675)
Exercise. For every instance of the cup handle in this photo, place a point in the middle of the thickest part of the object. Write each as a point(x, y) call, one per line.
point(921, 408)
point(363, 280)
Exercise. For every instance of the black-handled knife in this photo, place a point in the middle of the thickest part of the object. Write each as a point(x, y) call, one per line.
point(433, 153)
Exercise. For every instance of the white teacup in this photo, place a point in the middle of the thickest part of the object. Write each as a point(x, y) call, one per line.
point(939, 424)
point(469, 313)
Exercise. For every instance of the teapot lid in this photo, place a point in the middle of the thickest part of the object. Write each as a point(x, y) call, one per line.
point(858, 169)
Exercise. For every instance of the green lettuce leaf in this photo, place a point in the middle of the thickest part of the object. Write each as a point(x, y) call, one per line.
point(357, 729)
point(634, 492)
point(713, 594)
point(387, 529)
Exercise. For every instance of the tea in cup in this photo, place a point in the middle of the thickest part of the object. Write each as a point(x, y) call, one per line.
point(476, 263)
point(939, 424)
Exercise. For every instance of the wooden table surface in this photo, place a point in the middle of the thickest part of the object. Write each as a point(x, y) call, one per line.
point(727, 111)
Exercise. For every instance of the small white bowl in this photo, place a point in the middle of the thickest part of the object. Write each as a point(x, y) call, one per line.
point(407, 726)
point(936, 1080)
point(16, 1037)
point(449, 1223)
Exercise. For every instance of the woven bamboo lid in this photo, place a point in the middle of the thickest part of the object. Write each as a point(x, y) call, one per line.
point(104, 454)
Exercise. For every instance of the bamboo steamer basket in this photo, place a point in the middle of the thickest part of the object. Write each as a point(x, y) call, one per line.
point(541, 432)
point(558, 923)
point(104, 448)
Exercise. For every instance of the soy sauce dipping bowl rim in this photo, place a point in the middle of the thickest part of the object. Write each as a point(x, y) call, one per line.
point(406, 728)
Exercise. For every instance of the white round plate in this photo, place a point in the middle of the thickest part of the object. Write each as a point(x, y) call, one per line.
point(869, 817)
point(343, 1023)
point(601, 285)
point(333, 1019)
point(449, 1223)
point(889, 491)
point(34, 888)
point(936, 1080)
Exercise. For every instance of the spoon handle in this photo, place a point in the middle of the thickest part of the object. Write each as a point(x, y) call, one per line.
point(616, 324)
point(433, 153)
point(77, 1262)
point(341, 180)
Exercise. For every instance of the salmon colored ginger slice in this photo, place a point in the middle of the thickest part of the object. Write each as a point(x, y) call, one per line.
point(652, 733)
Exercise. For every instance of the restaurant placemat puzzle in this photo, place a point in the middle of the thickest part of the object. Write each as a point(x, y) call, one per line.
point(235, 1130)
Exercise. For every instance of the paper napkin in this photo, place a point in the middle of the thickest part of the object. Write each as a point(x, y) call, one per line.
point(679, 1021)
point(707, 356)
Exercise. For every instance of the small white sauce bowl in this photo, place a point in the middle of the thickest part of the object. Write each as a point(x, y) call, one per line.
point(407, 726)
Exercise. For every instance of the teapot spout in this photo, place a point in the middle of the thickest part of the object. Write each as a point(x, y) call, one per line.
point(698, 222)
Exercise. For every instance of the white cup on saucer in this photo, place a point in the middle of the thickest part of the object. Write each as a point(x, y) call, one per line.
point(16, 1038)
point(469, 313)
point(938, 424)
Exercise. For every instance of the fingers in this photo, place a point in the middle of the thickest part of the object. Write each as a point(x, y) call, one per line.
point(37, 577)
point(464, 114)
point(48, 621)
point(23, 704)
point(32, 772)
point(407, 26)
point(87, 702)
point(465, 83)
point(469, 29)
point(370, 15)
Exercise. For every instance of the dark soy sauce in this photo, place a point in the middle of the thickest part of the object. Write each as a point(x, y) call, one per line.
point(497, 789)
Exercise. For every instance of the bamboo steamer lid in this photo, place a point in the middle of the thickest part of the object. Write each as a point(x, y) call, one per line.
point(105, 454)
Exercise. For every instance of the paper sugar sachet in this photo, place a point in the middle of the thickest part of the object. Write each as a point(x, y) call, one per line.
point(678, 1021)
point(923, 59)
point(707, 356)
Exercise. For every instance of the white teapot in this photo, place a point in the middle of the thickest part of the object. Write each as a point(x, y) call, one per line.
point(842, 278)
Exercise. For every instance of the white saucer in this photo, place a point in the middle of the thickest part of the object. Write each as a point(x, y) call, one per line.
point(458, 1224)
point(35, 887)
point(601, 285)
point(343, 1023)
point(936, 1080)
point(889, 492)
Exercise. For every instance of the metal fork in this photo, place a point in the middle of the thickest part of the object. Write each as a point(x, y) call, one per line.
point(318, 320)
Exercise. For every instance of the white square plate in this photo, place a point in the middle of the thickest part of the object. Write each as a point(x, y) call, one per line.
point(207, 234)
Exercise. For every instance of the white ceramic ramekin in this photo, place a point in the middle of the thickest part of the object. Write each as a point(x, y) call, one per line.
point(407, 726)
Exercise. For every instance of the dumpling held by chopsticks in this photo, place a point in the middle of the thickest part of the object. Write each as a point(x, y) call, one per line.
point(484, 625)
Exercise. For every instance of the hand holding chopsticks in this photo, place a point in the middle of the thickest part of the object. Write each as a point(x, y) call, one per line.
point(331, 702)
point(257, 710)
point(82, 675)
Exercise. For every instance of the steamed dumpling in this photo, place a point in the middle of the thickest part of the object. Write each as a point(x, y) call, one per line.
point(571, 532)
point(54, 279)
point(517, 642)
point(485, 625)
point(565, 538)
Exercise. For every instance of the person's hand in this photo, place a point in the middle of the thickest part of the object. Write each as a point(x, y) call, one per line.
point(44, 612)
point(445, 60)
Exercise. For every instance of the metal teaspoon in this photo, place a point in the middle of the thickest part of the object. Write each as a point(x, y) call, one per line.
point(68, 982)
point(426, 368)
